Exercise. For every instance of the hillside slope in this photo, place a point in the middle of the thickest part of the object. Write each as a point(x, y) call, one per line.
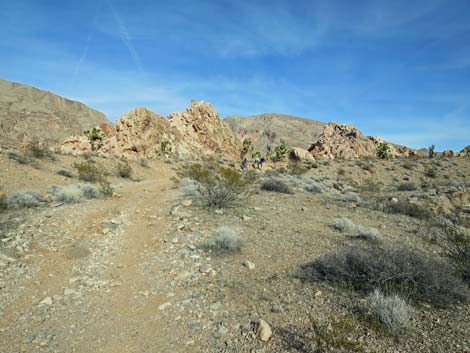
point(271, 129)
point(27, 113)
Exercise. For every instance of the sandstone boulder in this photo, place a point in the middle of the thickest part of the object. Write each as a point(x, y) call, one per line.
point(448, 153)
point(299, 154)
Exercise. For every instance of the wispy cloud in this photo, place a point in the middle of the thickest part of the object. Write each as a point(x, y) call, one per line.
point(125, 36)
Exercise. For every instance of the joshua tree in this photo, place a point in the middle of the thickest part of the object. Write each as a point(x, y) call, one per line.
point(247, 147)
point(280, 151)
point(384, 151)
point(165, 146)
point(432, 152)
point(95, 136)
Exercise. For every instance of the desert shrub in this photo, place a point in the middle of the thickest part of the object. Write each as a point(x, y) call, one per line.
point(73, 193)
point(351, 197)
point(65, 173)
point(345, 225)
point(430, 173)
point(391, 311)
point(144, 163)
point(280, 151)
point(407, 208)
point(341, 171)
point(18, 157)
point(38, 150)
point(3, 202)
point(393, 270)
point(105, 187)
point(225, 239)
point(315, 187)
point(409, 166)
point(219, 186)
point(275, 185)
point(407, 187)
point(296, 168)
point(88, 171)
point(454, 240)
point(124, 169)
point(384, 151)
point(25, 199)
point(333, 336)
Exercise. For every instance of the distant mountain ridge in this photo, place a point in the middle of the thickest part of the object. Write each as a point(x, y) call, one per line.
point(28, 113)
point(271, 129)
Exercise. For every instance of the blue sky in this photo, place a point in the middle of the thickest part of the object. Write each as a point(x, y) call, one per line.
point(398, 69)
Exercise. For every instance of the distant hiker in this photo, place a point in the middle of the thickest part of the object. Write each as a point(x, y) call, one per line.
point(257, 162)
point(261, 161)
point(244, 164)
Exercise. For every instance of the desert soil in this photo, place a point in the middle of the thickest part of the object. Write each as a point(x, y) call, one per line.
point(130, 274)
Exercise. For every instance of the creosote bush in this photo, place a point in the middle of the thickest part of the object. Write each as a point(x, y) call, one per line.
point(391, 311)
point(124, 169)
point(454, 240)
point(393, 270)
point(276, 185)
point(407, 187)
point(407, 208)
point(88, 171)
point(19, 157)
point(73, 193)
point(219, 186)
point(3, 202)
point(25, 199)
point(225, 239)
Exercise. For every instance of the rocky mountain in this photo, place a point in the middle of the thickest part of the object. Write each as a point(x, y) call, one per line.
point(202, 127)
point(28, 113)
point(139, 133)
point(272, 129)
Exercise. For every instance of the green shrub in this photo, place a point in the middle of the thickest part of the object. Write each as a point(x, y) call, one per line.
point(219, 186)
point(431, 173)
point(124, 169)
point(280, 151)
point(39, 150)
point(88, 171)
point(408, 208)
point(247, 147)
point(454, 240)
point(3, 202)
point(276, 185)
point(407, 187)
point(296, 168)
point(392, 270)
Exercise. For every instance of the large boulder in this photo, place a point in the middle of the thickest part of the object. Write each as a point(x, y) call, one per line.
point(299, 154)
point(201, 127)
point(342, 142)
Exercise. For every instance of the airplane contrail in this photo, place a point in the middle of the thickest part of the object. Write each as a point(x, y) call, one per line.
point(87, 44)
point(126, 37)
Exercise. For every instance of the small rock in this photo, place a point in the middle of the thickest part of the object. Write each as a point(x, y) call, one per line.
point(205, 268)
point(264, 331)
point(46, 301)
point(181, 226)
point(277, 309)
point(187, 203)
point(164, 306)
point(219, 212)
point(247, 218)
point(394, 200)
point(248, 264)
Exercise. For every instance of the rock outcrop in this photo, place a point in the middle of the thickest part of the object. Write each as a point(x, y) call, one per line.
point(196, 132)
point(201, 127)
point(465, 151)
point(448, 153)
point(138, 133)
point(342, 142)
point(27, 114)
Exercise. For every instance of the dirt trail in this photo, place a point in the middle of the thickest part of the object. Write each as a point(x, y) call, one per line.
point(103, 294)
